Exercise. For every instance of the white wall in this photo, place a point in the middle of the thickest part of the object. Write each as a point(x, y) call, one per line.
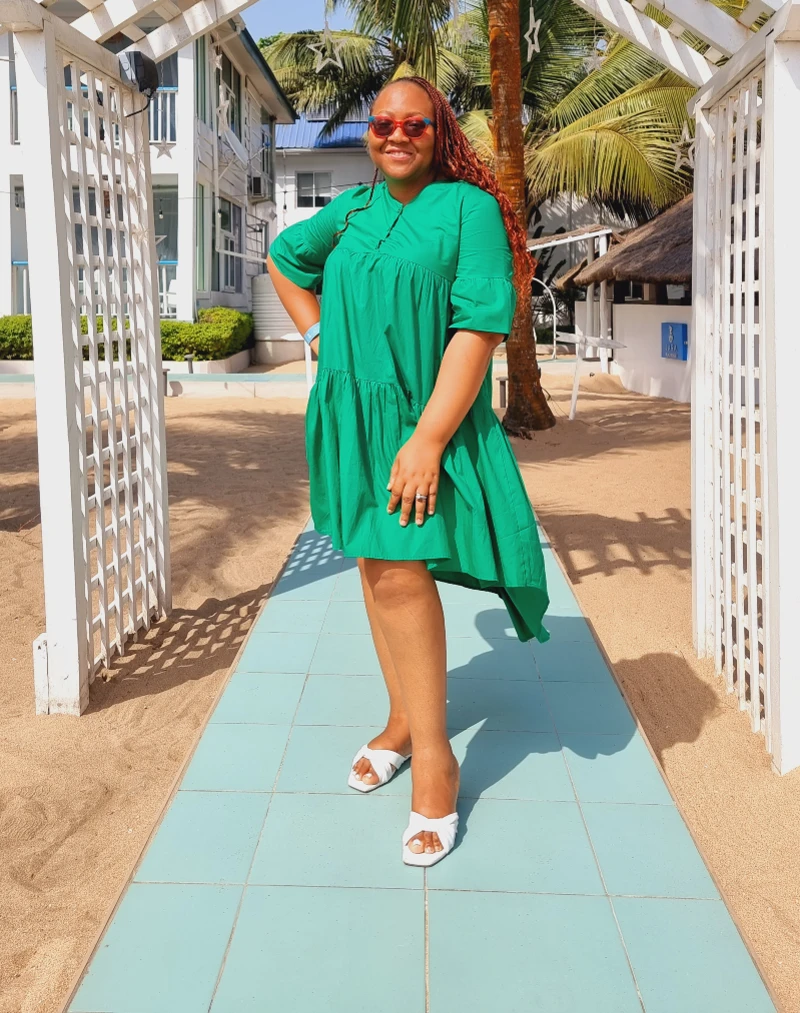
point(349, 166)
point(639, 365)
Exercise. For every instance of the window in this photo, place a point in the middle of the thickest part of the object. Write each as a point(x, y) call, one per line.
point(165, 202)
point(200, 240)
point(201, 79)
point(229, 86)
point(168, 72)
point(227, 240)
point(313, 189)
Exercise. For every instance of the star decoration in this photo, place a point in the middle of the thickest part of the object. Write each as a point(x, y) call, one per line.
point(532, 34)
point(595, 61)
point(164, 148)
point(139, 233)
point(328, 43)
point(217, 61)
point(223, 109)
point(684, 149)
point(463, 30)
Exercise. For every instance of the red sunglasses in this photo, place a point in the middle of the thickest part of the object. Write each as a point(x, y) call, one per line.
point(412, 126)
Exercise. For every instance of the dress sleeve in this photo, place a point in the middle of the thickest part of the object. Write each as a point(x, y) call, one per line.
point(300, 250)
point(483, 296)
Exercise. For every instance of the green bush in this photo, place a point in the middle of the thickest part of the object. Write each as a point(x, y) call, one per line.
point(219, 332)
point(16, 338)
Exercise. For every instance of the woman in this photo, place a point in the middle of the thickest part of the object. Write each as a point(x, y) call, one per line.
point(410, 470)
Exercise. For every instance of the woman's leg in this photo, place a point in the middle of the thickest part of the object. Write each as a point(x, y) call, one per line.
point(396, 734)
point(409, 613)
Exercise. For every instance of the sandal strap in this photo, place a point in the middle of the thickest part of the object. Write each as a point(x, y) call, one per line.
point(445, 827)
point(385, 762)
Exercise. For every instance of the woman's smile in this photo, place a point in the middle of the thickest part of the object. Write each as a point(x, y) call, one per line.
point(406, 162)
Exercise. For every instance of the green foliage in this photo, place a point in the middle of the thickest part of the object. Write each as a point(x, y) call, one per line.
point(219, 332)
point(16, 338)
point(605, 135)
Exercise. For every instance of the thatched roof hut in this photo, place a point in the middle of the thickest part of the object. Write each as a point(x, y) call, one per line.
point(660, 252)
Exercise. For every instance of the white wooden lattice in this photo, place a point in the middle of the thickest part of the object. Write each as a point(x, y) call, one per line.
point(730, 191)
point(739, 451)
point(107, 199)
point(94, 233)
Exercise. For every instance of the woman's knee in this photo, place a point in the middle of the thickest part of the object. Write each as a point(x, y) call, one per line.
point(395, 583)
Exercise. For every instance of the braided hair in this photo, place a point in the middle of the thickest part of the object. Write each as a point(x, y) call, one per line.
point(456, 159)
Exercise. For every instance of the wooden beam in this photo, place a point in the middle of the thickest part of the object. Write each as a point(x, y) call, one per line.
point(20, 16)
point(622, 17)
point(196, 21)
point(784, 24)
point(708, 22)
point(106, 19)
point(27, 15)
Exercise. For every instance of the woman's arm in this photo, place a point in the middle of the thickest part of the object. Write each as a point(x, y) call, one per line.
point(416, 467)
point(301, 304)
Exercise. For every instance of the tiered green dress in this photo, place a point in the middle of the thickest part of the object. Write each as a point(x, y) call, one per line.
point(399, 282)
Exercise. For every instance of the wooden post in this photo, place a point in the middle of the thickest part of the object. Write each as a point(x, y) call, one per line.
point(782, 563)
point(701, 351)
point(62, 682)
point(591, 320)
point(604, 330)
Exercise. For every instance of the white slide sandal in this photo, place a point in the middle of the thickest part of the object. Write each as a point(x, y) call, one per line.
point(385, 763)
point(446, 828)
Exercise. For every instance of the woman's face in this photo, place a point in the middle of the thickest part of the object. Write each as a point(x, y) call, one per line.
point(397, 156)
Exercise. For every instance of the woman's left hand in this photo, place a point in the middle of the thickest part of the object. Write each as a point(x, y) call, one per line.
point(415, 470)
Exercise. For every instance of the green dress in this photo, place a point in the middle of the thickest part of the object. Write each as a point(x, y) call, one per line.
point(396, 285)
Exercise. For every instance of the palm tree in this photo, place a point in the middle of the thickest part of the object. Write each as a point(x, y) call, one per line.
point(527, 405)
point(602, 134)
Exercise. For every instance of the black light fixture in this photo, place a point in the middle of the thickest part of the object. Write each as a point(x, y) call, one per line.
point(160, 210)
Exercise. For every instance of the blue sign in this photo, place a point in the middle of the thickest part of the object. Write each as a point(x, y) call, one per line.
point(675, 341)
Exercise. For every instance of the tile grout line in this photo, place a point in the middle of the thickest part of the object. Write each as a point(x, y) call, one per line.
point(591, 845)
point(263, 822)
point(427, 941)
point(603, 880)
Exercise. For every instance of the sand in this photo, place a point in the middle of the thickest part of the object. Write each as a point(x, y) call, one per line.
point(79, 797)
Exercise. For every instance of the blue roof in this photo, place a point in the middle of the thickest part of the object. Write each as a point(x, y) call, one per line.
point(305, 133)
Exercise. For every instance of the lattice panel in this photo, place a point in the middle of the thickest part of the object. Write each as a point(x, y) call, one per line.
point(738, 363)
point(114, 314)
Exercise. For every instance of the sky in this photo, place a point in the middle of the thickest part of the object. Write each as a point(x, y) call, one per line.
point(270, 16)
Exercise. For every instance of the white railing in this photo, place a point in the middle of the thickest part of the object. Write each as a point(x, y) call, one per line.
point(163, 126)
point(100, 424)
point(20, 288)
point(168, 288)
point(746, 548)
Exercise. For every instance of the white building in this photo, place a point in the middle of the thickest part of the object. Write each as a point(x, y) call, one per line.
point(213, 189)
point(310, 170)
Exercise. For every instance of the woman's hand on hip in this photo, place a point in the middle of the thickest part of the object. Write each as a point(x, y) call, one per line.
point(415, 470)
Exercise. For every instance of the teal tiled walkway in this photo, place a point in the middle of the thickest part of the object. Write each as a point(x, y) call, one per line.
point(270, 886)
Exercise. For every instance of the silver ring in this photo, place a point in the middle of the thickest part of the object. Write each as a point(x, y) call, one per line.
point(420, 496)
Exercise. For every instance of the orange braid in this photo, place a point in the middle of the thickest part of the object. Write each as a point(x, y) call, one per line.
point(455, 158)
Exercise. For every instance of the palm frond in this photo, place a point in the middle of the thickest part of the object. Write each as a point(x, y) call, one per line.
point(626, 157)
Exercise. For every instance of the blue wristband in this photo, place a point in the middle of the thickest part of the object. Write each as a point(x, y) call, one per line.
point(311, 333)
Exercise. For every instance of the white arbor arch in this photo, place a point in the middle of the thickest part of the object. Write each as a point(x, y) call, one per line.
point(102, 458)
point(94, 300)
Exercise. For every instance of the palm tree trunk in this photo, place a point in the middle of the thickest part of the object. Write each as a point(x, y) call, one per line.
point(527, 406)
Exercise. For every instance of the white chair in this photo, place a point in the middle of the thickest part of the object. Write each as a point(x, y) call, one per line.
point(581, 344)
